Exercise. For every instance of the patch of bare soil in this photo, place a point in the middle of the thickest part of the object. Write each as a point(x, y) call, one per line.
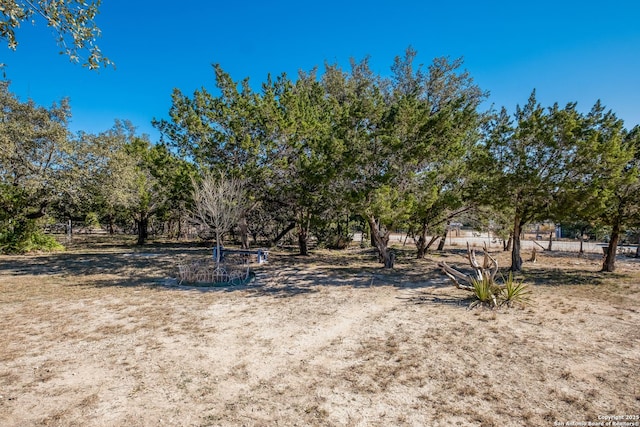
point(101, 336)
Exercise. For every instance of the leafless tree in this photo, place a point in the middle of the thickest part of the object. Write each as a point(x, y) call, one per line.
point(219, 204)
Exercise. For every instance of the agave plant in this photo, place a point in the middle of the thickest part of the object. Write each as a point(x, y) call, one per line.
point(486, 291)
point(514, 292)
point(484, 285)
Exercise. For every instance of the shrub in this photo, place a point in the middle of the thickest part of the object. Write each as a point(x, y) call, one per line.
point(338, 242)
point(514, 292)
point(511, 292)
point(92, 220)
point(485, 291)
point(23, 237)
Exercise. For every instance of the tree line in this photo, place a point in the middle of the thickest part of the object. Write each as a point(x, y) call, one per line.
point(326, 150)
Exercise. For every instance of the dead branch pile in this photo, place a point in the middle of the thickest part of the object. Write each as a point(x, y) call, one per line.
point(485, 272)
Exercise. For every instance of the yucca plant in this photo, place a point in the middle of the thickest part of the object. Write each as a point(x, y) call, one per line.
point(514, 292)
point(485, 291)
point(484, 285)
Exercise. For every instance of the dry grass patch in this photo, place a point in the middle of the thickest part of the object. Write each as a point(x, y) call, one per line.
point(98, 336)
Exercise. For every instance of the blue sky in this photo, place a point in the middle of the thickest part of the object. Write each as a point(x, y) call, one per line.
point(567, 50)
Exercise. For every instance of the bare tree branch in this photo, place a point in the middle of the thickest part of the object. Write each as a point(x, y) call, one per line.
point(219, 203)
point(486, 271)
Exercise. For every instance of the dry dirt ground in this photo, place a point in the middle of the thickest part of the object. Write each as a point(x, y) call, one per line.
point(101, 336)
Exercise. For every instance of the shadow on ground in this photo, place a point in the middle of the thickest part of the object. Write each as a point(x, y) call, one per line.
point(436, 298)
point(108, 264)
point(565, 277)
point(126, 261)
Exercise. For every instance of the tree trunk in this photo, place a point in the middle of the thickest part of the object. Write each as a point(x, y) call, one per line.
point(443, 239)
point(244, 232)
point(421, 244)
point(390, 259)
point(218, 250)
point(509, 244)
point(410, 233)
point(550, 241)
point(40, 212)
point(302, 241)
point(431, 242)
point(386, 256)
point(373, 231)
point(582, 231)
point(284, 232)
point(609, 263)
point(346, 226)
point(110, 220)
point(303, 233)
point(516, 259)
point(143, 229)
